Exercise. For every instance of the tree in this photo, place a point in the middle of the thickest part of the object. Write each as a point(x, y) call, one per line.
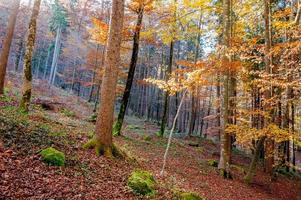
point(58, 23)
point(104, 123)
point(7, 43)
point(27, 74)
point(225, 156)
point(138, 7)
point(169, 67)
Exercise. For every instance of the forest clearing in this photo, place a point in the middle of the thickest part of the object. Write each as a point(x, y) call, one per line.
point(150, 99)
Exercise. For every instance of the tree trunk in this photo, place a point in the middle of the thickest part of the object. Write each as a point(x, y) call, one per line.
point(93, 76)
point(225, 155)
point(27, 84)
point(104, 123)
point(19, 54)
point(46, 64)
point(166, 97)
point(298, 16)
point(131, 74)
point(251, 172)
point(269, 160)
point(55, 56)
point(7, 43)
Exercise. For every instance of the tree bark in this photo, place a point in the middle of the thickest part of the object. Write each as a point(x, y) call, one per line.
point(298, 16)
point(251, 172)
point(225, 155)
point(104, 123)
point(27, 84)
point(269, 160)
point(7, 43)
point(55, 56)
point(166, 97)
point(18, 54)
point(131, 74)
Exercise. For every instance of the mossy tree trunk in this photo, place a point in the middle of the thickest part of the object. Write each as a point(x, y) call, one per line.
point(269, 146)
point(27, 76)
point(104, 123)
point(7, 43)
point(251, 172)
point(131, 74)
point(224, 162)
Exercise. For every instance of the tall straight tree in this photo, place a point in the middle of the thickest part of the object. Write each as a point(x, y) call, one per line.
point(133, 64)
point(267, 95)
point(225, 155)
point(168, 73)
point(7, 43)
point(57, 24)
point(269, 160)
point(27, 74)
point(105, 118)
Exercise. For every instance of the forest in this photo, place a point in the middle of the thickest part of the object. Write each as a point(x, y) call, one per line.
point(150, 99)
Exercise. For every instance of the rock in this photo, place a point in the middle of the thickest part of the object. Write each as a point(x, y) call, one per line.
point(142, 183)
point(51, 156)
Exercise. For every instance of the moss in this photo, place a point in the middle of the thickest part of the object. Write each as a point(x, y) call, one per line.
point(180, 195)
point(92, 118)
point(147, 138)
point(90, 144)
point(67, 113)
point(190, 196)
point(213, 163)
point(142, 183)
point(102, 150)
point(52, 156)
point(117, 128)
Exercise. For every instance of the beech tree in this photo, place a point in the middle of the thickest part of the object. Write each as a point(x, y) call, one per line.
point(138, 7)
point(105, 118)
point(27, 74)
point(7, 43)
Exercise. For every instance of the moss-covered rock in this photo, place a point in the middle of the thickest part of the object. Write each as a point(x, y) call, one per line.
point(213, 163)
point(190, 196)
point(51, 156)
point(142, 183)
point(180, 195)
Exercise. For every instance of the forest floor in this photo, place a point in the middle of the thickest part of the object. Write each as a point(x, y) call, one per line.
point(85, 176)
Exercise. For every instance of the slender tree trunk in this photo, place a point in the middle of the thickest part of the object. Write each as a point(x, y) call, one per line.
point(166, 97)
point(27, 79)
point(93, 76)
point(46, 64)
point(224, 162)
point(298, 16)
point(131, 74)
point(251, 172)
point(269, 147)
point(104, 123)
point(18, 54)
point(55, 56)
point(7, 43)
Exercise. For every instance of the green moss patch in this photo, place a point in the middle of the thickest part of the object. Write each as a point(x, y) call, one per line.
point(142, 183)
point(190, 196)
point(213, 163)
point(180, 195)
point(51, 156)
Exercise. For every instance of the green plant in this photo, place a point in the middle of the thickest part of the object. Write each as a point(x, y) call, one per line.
point(213, 163)
point(51, 156)
point(67, 112)
point(142, 183)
